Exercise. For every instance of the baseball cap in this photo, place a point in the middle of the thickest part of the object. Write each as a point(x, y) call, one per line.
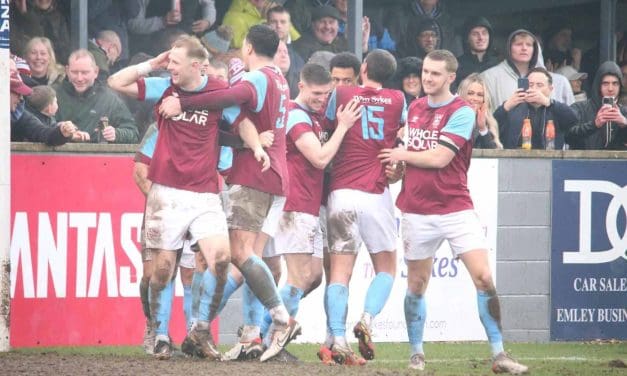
point(18, 86)
point(325, 11)
point(571, 73)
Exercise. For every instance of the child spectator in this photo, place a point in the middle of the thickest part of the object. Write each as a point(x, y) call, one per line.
point(43, 104)
point(576, 81)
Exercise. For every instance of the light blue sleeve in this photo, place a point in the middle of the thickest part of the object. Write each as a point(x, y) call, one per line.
point(260, 83)
point(155, 87)
point(297, 116)
point(225, 160)
point(461, 123)
point(149, 143)
point(230, 114)
point(404, 113)
point(332, 106)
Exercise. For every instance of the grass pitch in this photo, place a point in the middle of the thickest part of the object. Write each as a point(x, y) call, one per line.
point(573, 358)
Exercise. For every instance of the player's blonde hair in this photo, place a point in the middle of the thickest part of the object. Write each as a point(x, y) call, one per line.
point(447, 57)
point(193, 46)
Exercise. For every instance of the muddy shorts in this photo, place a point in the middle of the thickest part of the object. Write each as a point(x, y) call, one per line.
point(424, 234)
point(247, 208)
point(171, 213)
point(298, 233)
point(356, 217)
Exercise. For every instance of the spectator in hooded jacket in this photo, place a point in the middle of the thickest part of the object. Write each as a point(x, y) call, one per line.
point(400, 17)
point(422, 38)
point(479, 53)
point(601, 125)
point(522, 56)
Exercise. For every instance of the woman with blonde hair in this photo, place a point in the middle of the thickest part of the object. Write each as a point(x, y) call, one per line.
point(42, 61)
point(486, 132)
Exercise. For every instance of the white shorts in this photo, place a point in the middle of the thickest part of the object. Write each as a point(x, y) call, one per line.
point(188, 257)
point(356, 217)
point(171, 213)
point(423, 234)
point(298, 233)
point(323, 226)
point(271, 223)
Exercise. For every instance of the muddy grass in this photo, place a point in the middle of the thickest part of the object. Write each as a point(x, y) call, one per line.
point(104, 365)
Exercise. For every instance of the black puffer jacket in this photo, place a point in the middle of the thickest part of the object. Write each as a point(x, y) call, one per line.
point(585, 135)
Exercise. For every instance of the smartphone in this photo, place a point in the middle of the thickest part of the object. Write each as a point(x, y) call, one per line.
point(523, 83)
point(608, 100)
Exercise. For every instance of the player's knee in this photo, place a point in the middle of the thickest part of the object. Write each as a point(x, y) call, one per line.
point(483, 281)
point(161, 274)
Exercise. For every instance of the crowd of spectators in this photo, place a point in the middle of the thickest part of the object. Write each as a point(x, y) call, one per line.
point(536, 76)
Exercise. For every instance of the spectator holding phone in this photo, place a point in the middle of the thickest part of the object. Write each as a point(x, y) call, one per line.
point(532, 100)
point(602, 122)
point(522, 56)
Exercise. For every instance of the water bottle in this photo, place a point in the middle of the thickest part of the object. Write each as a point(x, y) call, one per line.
point(526, 134)
point(549, 135)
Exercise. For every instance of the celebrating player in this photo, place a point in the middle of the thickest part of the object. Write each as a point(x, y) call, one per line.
point(436, 205)
point(360, 208)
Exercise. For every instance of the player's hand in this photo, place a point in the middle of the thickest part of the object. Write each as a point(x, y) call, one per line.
point(263, 157)
point(266, 138)
point(79, 136)
point(170, 107)
point(160, 61)
point(109, 134)
point(348, 115)
point(394, 172)
point(199, 27)
point(391, 156)
point(517, 98)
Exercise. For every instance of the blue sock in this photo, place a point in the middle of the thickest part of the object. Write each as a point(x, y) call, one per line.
point(291, 297)
point(378, 293)
point(265, 324)
point(491, 319)
point(164, 309)
point(415, 317)
point(337, 304)
point(187, 305)
point(196, 292)
point(230, 287)
point(252, 307)
point(209, 282)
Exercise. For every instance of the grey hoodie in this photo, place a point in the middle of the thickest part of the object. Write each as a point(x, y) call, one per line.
point(502, 79)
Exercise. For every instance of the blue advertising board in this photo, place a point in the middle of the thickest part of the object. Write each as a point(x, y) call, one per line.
point(4, 24)
point(589, 250)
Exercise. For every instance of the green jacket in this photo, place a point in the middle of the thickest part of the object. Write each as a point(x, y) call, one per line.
point(85, 111)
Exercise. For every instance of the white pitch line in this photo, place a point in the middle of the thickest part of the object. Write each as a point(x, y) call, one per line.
point(461, 360)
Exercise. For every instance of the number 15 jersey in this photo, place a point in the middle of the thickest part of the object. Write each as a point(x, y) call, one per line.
point(356, 165)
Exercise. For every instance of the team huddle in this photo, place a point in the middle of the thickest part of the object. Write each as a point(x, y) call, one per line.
point(306, 181)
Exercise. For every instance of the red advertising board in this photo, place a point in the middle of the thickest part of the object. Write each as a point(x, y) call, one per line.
point(75, 254)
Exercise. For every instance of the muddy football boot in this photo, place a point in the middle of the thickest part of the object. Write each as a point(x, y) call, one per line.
point(245, 351)
point(162, 350)
point(326, 356)
point(362, 333)
point(203, 343)
point(344, 355)
point(417, 362)
point(280, 338)
point(503, 363)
